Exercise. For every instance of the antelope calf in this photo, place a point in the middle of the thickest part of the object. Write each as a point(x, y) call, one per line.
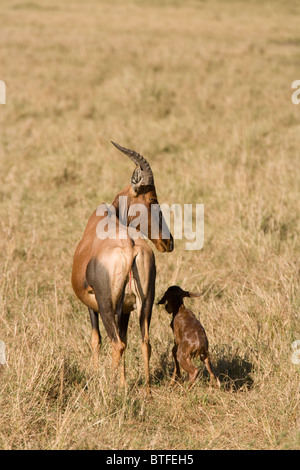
point(190, 339)
point(114, 275)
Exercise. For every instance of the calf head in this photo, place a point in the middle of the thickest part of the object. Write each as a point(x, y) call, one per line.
point(173, 298)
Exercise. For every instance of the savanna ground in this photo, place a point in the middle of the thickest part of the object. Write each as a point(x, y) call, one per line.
point(203, 90)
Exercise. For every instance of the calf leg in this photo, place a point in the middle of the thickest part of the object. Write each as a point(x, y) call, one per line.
point(213, 378)
point(185, 362)
point(176, 373)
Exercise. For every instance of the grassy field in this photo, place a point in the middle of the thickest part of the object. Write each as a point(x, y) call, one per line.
point(203, 90)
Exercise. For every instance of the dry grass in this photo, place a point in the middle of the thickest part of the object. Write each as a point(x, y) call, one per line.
point(203, 90)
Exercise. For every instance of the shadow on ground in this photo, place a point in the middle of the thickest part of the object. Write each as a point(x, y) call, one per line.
point(234, 371)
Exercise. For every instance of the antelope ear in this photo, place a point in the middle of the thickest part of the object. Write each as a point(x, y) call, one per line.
point(162, 300)
point(136, 179)
point(194, 294)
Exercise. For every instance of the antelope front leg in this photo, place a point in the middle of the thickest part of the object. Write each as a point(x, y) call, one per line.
point(123, 326)
point(146, 350)
point(96, 337)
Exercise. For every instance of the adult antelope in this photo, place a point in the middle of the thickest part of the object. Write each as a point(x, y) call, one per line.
point(114, 275)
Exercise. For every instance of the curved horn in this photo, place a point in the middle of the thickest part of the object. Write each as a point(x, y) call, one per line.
point(138, 159)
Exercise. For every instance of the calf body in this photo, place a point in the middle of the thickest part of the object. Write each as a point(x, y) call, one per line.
point(190, 340)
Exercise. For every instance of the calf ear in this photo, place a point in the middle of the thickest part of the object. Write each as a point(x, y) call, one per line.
point(162, 300)
point(194, 294)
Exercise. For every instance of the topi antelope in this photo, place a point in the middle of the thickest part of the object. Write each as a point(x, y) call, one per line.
point(114, 275)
